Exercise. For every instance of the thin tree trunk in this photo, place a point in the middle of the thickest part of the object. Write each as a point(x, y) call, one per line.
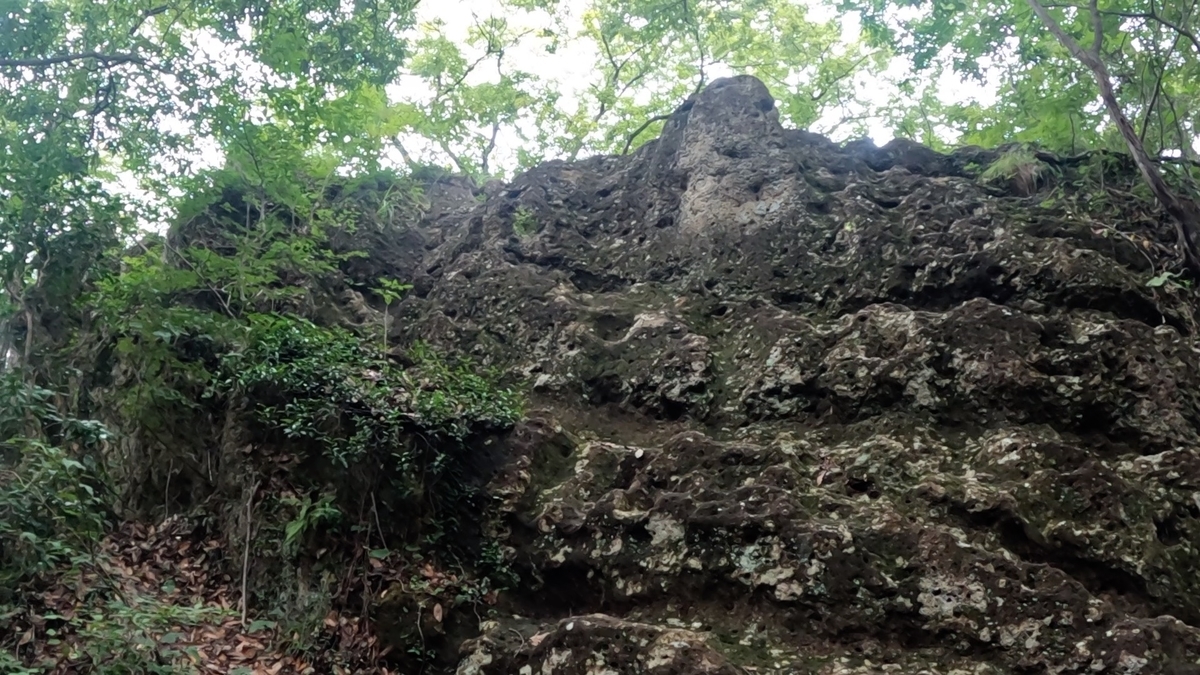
point(1184, 212)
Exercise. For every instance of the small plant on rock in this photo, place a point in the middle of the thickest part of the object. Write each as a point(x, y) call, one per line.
point(1019, 168)
point(524, 222)
point(390, 290)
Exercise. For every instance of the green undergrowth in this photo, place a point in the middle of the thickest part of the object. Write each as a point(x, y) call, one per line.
point(54, 510)
point(223, 362)
point(1020, 168)
point(326, 385)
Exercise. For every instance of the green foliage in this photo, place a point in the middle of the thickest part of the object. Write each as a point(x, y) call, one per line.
point(50, 512)
point(52, 508)
point(1019, 167)
point(11, 666)
point(457, 398)
point(650, 55)
point(90, 89)
point(152, 332)
point(524, 222)
point(390, 290)
point(303, 104)
point(53, 513)
point(310, 515)
point(1168, 279)
point(299, 612)
point(1032, 89)
point(136, 636)
point(326, 386)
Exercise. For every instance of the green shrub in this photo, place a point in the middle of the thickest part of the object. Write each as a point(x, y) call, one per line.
point(51, 506)
point(327, 386)
point(1020, 168)
point(524, 222)
point(138, 636)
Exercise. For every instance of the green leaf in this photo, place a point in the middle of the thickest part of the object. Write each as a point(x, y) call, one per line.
point(1160, 280)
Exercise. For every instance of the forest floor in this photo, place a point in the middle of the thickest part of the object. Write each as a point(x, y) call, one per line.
point(150, 599)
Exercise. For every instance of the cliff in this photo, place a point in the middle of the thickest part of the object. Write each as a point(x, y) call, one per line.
point(813, 408)
point(795, 407)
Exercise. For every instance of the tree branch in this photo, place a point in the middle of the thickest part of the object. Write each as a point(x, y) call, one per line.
point(1185, 213)
point(1155, 16)
point(146, 17)
point(638, 132)
point(1097, 27)
point(1178, 160)
point(1150, 16)
point(107, 60)
point(408, 160)
point(490, 146)
point(1158, 82)
point(694, 23)
point(820, 93)
point(462, 167)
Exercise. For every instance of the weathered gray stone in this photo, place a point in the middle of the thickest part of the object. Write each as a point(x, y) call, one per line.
point(809, 408)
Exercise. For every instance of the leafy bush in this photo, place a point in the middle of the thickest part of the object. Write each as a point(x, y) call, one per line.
point(50, 511)
point(53, 511)
point(51, 507)
point(310, 515)
point(524, 222)
point(327, 386)
point(210, 324)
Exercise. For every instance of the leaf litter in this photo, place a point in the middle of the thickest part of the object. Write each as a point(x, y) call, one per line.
point(156, 592)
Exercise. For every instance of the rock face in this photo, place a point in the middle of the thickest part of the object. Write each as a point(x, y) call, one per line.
point(809, 408)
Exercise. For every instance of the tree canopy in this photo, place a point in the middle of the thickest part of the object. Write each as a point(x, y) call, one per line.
point(143, 86)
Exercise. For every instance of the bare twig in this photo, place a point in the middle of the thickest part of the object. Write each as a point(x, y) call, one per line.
point(520, 637)
point(637, 132)
point(167, 490)
point(1158, 82)
point(375, 511)
point(246, 553)
point(107, 60)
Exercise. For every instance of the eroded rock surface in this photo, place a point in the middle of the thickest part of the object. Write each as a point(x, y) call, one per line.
point(808, 408)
